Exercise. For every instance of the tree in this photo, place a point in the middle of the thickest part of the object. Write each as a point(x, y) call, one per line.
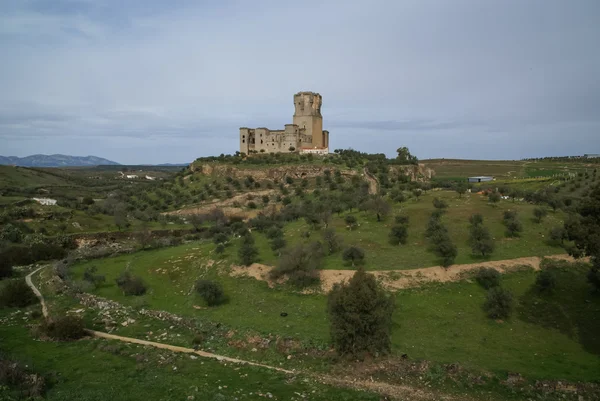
point(196, 220)
point(351, 222)
point(379, 206)
point(211, 291)
point(360, 315)
point(333, 242)
point(539, 214)
point(558, 234)
point(404, 156)
point(417, 193)
point(512, 223)
point(487, 277)
point(476, 219)
point(498, 303)
point(354, 255)
point(514, 194)
point(120, 217)
point(584, 231)
point(494, 197)
point(445, 249)
point(439, 204)
point(248, 252)
point(130, 284)
point(554, 203)
point(398, 234)
point(545, 280)
point(480, 240)
point(277, 244)
point(461, 188)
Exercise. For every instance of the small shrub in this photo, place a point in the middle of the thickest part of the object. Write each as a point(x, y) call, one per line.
point(131, 285)
point(487, 277)
point(398, 234)
point(27, 385)
point(16, 294)
point(545, 280)
point(498, 303)
point(90, 276)
point(211, 292)
point(64, 328)
point(440, 203)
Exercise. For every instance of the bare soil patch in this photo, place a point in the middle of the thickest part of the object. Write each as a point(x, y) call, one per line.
point(399, 279)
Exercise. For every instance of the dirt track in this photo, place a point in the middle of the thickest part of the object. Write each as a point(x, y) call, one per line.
point(398, 279)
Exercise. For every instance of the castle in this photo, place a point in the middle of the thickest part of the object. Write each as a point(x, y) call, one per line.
point(304, 135)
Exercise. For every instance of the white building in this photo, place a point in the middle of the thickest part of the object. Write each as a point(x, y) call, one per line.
point(314, 151)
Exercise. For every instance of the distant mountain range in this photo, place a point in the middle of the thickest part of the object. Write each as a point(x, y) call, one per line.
point(56, 161)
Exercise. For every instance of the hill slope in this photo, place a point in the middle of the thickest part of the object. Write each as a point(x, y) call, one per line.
point(55, 161)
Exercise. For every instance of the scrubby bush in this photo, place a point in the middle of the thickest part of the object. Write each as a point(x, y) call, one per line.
point(131, 285)
point(498, 303)
point(211, 292)
point(16, 294)
point(354, 255)
point(440, 204)
point(64, 328)
point(539, 213)
point(487, 277)
point(360, 315)
point(89, 275)
point(24, 384)
point(545, 280)
point(299, 264)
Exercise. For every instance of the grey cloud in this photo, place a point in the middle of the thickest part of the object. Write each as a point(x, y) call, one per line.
point(427, 74)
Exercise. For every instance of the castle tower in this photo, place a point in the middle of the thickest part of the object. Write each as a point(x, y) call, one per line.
point(307, 115)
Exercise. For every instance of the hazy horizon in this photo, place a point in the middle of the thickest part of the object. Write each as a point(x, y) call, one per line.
point(154, 82)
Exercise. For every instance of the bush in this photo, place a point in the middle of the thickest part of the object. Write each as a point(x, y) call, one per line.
point(26, 385)
point(90, 276)
point(354, 255)
point(16, 294)
point(439, 203)
point(545, 280)
point(539, 214)
point(360, 315)
point(64, 328)
point(487, 277)
point(333, 241)
point(398, 234)
point(300, 264)
point(6, 269)
point(498, 303)
point(351, 222)
point(248, 252)
point(131, 285)
point(211, 292)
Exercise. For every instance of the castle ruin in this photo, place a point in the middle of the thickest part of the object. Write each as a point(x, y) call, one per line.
point(304, 135)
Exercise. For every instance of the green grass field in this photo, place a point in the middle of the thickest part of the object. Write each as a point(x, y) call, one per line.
point(372, 236)
point(96, 370)
point(441, 323)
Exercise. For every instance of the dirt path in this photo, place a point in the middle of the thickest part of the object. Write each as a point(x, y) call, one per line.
point(373, 184)
point(37, 292)
point(398, 279)
point(399, 392)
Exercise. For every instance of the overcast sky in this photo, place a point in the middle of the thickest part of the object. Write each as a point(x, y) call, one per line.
point(157, 81)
